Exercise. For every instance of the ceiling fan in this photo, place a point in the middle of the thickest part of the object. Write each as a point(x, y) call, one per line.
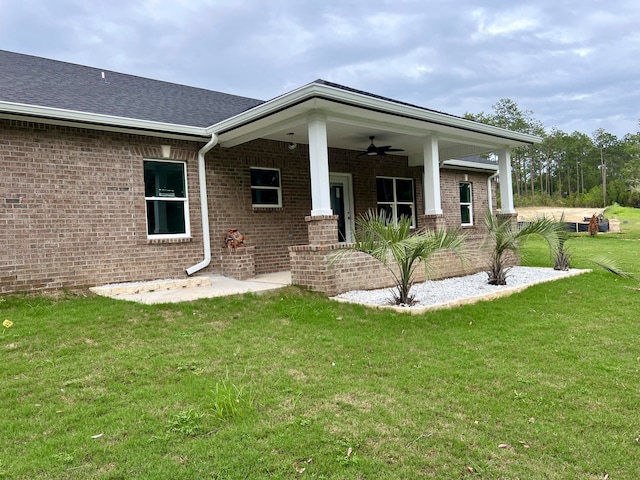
point(372, 150)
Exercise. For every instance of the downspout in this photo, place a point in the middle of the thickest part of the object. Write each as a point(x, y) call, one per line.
point(489, 191)
point(204, 209)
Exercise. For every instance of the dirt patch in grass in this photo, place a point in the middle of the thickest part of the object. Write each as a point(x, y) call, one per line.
point(298, 375)
point(526, 214)
point(570, 214)
point(359, 401)
point(219, 325)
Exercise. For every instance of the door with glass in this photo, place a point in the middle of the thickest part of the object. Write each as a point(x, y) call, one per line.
point(342, 204)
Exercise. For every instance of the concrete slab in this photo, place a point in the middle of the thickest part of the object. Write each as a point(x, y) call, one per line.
point(193, 288)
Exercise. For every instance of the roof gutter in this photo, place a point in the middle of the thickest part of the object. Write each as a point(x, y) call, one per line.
point(204, 209)
point(467, 165)
point(98, 120)
point(324, 92)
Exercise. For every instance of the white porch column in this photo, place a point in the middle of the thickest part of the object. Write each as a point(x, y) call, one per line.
point(506, 189)
point(431, 183)
point(319, 165)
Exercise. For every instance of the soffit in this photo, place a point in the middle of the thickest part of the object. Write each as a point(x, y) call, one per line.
point(349, 127)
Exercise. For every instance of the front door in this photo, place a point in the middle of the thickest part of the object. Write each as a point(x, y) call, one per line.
point(342, 204)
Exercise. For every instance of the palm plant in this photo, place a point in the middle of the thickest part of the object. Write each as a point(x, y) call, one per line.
point(505, 237)
point(401, 250)
point(609, 265)
point(562, 254)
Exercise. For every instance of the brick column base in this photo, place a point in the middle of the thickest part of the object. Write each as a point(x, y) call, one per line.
point(323, 229)
point(431, 222)
point(507, 216)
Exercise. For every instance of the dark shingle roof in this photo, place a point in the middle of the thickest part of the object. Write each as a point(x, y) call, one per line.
point(379, 97)
point(51, 83)
point(479, 159)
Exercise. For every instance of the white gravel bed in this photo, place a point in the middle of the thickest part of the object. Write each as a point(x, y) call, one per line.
point(459, 290)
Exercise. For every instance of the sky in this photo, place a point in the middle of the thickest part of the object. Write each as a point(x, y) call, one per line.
point(575, 65)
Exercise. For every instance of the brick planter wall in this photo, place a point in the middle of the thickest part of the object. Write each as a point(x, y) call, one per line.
point(326, 268)
point(333, 269)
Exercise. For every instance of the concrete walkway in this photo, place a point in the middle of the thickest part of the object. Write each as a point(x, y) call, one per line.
point(193, 288)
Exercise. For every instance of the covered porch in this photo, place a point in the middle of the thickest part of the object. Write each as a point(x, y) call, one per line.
point(328, 117)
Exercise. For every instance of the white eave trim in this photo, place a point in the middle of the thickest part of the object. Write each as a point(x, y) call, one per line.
point(74, 116)
point(467, 165)
point(308, 92)
point(315, 90)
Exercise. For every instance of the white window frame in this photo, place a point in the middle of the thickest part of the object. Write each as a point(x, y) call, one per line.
point(394, 204)
point(261, 187)
point(468, 204)
point(184, 200)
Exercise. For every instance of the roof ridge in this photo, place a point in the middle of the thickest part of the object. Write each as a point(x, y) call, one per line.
point(327, 83)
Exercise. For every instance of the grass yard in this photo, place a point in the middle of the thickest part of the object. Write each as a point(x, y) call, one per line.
point(544, 384)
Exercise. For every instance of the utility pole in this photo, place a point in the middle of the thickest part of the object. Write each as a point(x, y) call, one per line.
point(603, 140)
point(603, 167)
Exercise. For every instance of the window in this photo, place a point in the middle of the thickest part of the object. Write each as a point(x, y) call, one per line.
point(165, 192)
point(466, 204)
point(396, 198)
point(265, 187)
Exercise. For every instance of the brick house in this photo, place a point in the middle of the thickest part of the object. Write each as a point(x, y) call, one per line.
point(107, 177)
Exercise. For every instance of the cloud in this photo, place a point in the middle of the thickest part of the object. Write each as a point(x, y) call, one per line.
point(507, 22)
point(572, 64)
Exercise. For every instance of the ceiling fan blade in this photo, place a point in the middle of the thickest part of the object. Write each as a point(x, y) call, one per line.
point(372, 150)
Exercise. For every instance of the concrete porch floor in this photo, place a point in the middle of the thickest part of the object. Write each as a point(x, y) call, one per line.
point(193, 288)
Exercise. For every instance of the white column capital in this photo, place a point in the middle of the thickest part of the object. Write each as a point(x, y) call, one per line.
point(317, 116)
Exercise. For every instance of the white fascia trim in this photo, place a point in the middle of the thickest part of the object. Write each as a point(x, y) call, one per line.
point(359, 100)
point(99, 119)
point(465, 164)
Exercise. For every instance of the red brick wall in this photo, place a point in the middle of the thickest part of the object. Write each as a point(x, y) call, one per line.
point(273, 230)
point(72, 209)
point(365, 169)
point(269, 230)
point(450, 196)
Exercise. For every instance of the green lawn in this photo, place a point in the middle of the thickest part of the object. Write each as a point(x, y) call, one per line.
point(544, 384)
point(629, 219)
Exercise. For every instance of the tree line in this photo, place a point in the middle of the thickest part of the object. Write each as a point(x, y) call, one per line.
point(573, 170)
